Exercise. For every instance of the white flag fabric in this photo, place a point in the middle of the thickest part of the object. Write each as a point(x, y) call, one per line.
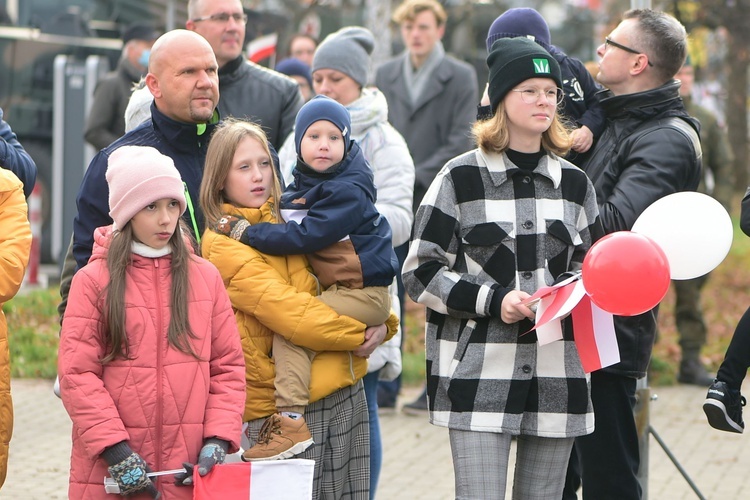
point(278, 480)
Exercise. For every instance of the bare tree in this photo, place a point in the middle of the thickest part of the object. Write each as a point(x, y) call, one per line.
point(377, 20)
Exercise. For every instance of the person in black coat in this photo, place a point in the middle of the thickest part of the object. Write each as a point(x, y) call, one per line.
point(649, 149)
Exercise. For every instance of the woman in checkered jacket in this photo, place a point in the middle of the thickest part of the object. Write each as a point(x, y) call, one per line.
point(498, 223)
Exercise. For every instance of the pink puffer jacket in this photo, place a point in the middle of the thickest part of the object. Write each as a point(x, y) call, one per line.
point(162, 402)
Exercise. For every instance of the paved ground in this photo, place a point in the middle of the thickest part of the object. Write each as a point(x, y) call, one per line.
point(417, 462)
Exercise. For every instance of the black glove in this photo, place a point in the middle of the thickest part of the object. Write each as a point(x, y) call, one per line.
point(214, 452)
point(129, 470)
point(232, 226)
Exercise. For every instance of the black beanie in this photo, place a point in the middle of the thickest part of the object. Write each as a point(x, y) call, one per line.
point(515, 60)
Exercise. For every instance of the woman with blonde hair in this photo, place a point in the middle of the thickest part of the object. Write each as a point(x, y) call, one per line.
point(498, 223)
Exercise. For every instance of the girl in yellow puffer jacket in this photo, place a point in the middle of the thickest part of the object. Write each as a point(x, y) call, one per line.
point(274, 299)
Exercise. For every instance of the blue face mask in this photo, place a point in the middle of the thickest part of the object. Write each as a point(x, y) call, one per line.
point(143, 60)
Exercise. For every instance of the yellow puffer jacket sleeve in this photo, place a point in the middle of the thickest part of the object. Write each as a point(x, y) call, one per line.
point(280, 291)
point(15, 245)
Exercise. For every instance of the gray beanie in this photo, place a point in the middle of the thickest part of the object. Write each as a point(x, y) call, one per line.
point(348, 51)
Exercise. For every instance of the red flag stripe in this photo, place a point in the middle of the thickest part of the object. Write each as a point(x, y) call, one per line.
point(583, 332)
point(558, 301)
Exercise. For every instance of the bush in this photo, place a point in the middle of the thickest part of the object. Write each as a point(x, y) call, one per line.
point(33, 333)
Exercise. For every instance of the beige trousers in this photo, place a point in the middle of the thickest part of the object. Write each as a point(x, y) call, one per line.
point(369, 305)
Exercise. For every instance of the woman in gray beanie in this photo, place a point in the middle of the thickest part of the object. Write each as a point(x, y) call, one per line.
point(497, 224)
point(340, 71)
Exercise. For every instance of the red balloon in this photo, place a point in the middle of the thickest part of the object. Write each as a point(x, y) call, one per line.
point(626, 273)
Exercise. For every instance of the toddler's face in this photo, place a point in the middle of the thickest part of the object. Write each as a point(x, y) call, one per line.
point(322, 146)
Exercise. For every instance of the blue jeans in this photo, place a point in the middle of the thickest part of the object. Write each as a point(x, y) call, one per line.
point(389, 390)
point(376, 446)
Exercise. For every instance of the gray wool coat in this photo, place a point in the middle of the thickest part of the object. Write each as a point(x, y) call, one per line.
point(437, 127)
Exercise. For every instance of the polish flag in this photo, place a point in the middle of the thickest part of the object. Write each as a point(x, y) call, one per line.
point(278, 480)
point(594, 333)
point(554, 306)
point(262, 47)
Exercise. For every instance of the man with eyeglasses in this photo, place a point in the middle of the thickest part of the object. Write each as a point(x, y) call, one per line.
point(649, 149)
point(247, 90)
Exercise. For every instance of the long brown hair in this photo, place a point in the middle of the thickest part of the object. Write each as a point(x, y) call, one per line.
point(119, 257)
point(219, 157)
point(493, 136)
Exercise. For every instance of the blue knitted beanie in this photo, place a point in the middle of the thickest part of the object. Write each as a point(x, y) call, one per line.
point(321, 107)
point(295, 67)
point(517, 22)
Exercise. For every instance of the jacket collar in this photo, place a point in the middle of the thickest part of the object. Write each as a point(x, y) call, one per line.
point(641, 107)
point(266, 213)
point(501, 168)
point(184, 137)
point(642, 104)
point(131, 72)
point(231, 70)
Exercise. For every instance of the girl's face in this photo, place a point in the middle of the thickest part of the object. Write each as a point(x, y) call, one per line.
point(155, 224)
point(250, 179)
point(338, 86)
point(530, 108)
point(322, 146)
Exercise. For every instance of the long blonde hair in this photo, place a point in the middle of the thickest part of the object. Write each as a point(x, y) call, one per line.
point(493, 136)
point(119, 258)
point(219, 157)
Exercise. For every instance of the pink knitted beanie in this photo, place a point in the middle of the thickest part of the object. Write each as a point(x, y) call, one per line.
point(138, 176)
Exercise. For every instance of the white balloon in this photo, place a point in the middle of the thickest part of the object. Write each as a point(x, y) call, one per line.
point(693, 229)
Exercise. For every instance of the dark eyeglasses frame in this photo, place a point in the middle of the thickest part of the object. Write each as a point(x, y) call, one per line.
point(223, 17)
point(609, 41)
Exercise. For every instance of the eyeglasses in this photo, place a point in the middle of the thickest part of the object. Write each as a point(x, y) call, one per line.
point(609, 41)
point(223, 18)
point(531, 95)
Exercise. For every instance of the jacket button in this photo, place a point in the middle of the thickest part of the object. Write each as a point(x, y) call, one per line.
point(527, 275)
point(526, 179)
point(526, 369)
point(528, 224)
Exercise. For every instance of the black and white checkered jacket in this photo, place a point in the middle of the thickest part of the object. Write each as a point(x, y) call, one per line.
point(486, 227)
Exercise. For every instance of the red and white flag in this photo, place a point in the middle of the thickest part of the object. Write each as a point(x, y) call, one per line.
point(555, 306)
point(262, 47)
point(277, 480)
point(594, 333)
point(593, 327)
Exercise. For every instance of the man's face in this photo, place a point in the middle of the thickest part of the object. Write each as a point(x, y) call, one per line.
point(614, 67)
point(421, 34)
point(223, 26)
point(185, 82)
point(687, 76)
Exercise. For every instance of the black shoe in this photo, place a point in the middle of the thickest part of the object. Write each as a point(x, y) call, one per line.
point(723, 407)
point(386, 402)
point(693, 372)
point(418, 406)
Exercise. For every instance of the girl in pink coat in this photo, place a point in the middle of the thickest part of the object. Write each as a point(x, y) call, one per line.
point(151, 368)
